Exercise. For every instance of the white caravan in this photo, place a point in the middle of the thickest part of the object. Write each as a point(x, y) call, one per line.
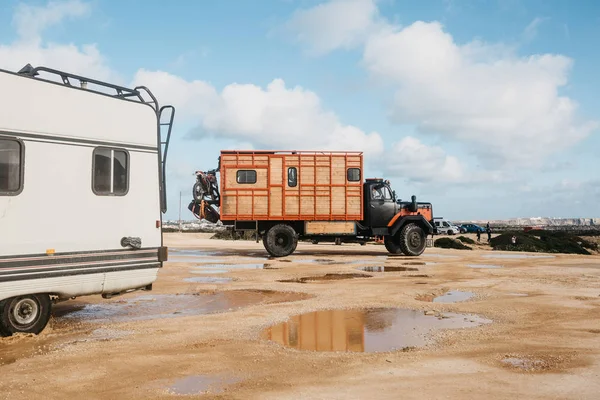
point(82, 191)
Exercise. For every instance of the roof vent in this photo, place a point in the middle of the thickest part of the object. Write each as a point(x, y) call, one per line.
point(28, 70)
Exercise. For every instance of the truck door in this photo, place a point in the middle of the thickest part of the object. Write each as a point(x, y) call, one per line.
point(382, 208)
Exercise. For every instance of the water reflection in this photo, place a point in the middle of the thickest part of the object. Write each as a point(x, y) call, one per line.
point(368, 330)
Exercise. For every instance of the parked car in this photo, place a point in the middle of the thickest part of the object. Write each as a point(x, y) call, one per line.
point(471, 228)
point(445, 227)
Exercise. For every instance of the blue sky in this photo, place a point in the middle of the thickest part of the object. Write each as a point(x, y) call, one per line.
point(488, 109)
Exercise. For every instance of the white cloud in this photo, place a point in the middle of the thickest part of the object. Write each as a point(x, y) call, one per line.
point(336, 24)
point(418, 162)
point(275, 117)
point(192, 99)
point(504, 108)
point(531, 30)
point(31, 21)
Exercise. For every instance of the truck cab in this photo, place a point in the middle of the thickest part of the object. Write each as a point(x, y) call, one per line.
point(403, 224)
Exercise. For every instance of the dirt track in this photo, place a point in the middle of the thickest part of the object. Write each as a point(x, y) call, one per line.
point(552, 335)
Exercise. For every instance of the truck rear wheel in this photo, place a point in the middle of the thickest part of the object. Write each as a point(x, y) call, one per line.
point(412, 240)
point(392, 244)
point(24, 314)
point(281, 240)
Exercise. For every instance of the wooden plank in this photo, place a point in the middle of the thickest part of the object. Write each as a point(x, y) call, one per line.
point(276, 201)
point(330, 228)
point(292, 205)
point(276, 170)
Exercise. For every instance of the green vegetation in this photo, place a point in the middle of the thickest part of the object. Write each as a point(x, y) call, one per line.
point(447, 243)
point(465, 239)
point(543, 241)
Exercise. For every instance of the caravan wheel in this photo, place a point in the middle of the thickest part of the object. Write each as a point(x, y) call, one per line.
point(24, 314)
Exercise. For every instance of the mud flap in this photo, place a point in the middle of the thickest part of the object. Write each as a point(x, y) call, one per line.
point(429, 242)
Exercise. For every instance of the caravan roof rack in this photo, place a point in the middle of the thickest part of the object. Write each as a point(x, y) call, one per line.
point(135, 94)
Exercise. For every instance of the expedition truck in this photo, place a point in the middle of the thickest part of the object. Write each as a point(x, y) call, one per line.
point(82, 191)
point(284, 196)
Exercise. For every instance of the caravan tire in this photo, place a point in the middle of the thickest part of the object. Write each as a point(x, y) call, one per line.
point(281, 240)
point(24, 314)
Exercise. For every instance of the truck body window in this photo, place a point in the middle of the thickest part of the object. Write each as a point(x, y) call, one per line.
point(11, 166)
point(246, 176)
point(110, 172)
point(353, 174)
point(292, 177)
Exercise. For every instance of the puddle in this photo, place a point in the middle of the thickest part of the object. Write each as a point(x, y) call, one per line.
point(244, 266)
point(208, 270)
point(453, 296)
point(322, 261)
point(366, 261)
point(486, 266)
point(418, 263)
point(387, 269)
point(223, 268)
point(515, 256)
point(327, 277)
point(189, 256)
point(172, 305)
point(366, 330)
point(439, 255)
point(198, 384)
point(208, 279)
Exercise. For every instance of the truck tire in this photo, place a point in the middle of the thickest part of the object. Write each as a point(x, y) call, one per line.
point(412, 240)
point(24, 314)
point(392, 244)
point(281, 240)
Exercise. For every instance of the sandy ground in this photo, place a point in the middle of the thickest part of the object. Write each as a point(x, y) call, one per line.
point(554, 330)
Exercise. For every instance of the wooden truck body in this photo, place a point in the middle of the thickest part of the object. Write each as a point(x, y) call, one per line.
point(324, 191)
point(317, 195)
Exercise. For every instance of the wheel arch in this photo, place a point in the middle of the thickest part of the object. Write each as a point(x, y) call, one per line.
point(418, 219)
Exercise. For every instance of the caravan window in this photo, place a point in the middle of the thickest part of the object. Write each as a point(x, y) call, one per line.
point(292, 177)
point(110, 172)
point(353, 174)
point(11, 166)
point(246, 176)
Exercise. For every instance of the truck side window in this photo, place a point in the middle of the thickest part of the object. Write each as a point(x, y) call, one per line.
point(292, 177)
point(110, 172)
point(353, 174)
point(246, 176)
point(11, 166)
point(387, 195)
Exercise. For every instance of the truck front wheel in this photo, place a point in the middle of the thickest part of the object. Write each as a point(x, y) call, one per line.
point(24, 314)
point(412, 240)
point(281, 240)
point(392, 244)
